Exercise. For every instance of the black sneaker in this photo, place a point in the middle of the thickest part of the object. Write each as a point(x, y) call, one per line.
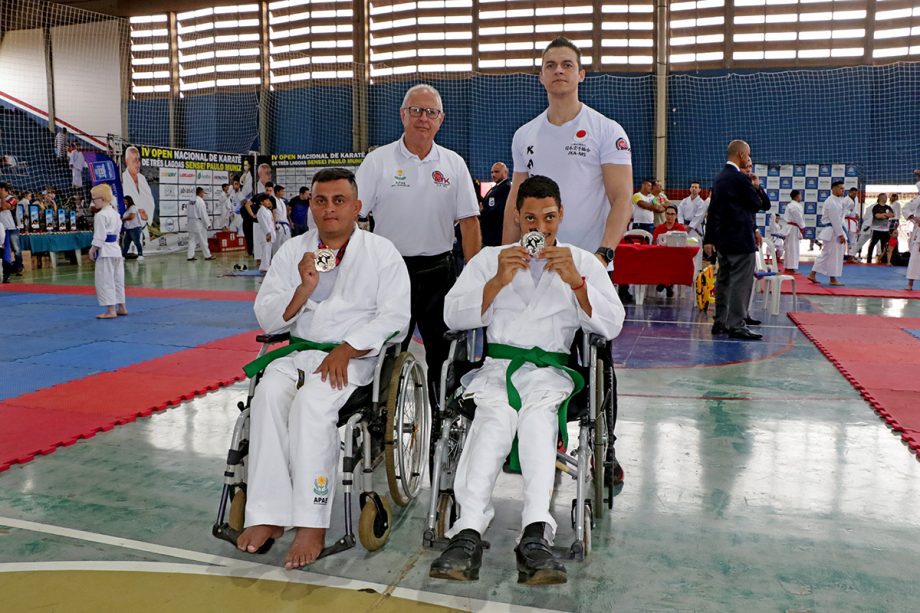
point(461, 560)
point(536, 563)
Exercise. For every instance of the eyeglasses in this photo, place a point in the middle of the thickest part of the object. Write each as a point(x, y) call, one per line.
point(416, 111)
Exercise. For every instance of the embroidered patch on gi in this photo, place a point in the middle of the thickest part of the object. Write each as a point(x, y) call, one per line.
point(321, 489)
point(622, 145)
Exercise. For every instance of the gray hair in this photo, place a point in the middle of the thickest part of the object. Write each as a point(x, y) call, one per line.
point(132, 149)
point(423, 87)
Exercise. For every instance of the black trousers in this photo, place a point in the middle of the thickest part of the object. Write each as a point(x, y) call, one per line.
point(430, 277)
point(247, 232)
point(880, 238)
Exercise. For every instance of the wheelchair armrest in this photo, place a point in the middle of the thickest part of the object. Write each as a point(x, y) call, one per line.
point(596, 340)
point(271, 339)
point(390, 349)
point(455, 335)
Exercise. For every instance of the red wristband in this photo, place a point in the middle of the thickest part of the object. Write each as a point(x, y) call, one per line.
point(575, 289)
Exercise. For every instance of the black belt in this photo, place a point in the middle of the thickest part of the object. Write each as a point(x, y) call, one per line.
point(429, 263)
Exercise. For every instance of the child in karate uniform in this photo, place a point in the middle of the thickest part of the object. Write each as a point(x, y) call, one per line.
point(105, 252)
point(266, 232)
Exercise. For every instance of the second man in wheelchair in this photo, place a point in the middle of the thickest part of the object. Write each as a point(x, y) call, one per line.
point(532, 306)
point(342, 293)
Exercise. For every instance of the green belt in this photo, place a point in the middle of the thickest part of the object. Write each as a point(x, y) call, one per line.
point(542, 359)
point(295, 344)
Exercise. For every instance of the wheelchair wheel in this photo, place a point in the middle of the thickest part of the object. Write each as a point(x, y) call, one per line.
point(375, 522)
point(447, 514)
point(237, 516)
point(589, 526)
point(407, 429)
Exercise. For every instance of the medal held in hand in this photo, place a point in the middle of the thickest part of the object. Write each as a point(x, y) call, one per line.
point(325, 259)
point(533, 242)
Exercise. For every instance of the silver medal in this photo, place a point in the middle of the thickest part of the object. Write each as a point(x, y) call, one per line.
point(325, 259)
point(533, 242)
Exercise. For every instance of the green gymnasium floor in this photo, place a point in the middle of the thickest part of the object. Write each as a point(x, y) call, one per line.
point(760, 484)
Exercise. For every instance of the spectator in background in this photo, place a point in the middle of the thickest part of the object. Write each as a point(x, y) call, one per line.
point(670, 225)
point(8, 205)
point(60, 143)
point(280, 215)
point(688, 207)
point(644, 207)
point(882, 214)
point(493, 206)
point(851, 221)
point(299, 208)
point(895, 205)
point(77, 166)
point(661, 199)
point(131, 222)
point(198, 223)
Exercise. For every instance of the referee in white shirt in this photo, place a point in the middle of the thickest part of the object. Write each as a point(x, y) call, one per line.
point(416, 190)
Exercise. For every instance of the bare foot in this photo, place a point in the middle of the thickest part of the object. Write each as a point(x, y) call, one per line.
point(812, 278)
point(835, 282)
point(307, 546)
point(253, 537)
point(121, 312)
point(106, 316)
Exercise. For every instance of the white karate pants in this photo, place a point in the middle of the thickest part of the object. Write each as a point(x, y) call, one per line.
point(198, 237)
point(294, 445)
point(792, 246)
point(864, 235)
point(489, 442)
point(830, 260)
point(110, 281)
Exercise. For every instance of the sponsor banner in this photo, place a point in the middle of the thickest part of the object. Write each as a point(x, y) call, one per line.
point(296, 170)
point(162, 182)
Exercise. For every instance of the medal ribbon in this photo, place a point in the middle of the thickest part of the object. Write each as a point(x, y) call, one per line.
point(339, 254)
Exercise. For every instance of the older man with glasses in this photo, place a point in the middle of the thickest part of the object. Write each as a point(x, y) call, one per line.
point(416, 191)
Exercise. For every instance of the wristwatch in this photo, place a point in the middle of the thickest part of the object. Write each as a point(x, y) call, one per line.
point(606, 252)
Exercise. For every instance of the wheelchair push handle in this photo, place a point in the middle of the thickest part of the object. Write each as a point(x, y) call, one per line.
point(272, 339)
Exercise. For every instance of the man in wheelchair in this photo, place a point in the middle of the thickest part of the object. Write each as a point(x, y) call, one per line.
point(342, 293)
point(532, 300)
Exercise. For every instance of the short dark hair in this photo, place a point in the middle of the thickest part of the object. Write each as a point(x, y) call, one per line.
point(223, 185)
point(672, 207)
point(794, 193)
point(303, 188)
point(236, 178)
point(893, 194)
point(258, 199)
point(562, 41)
point(650, 180)
point(269, 184)
point(538, 186)
point(129, 201)
point(5, 185)
point(199, 190)
point(695, 183)
point(836, 183)
point(327, 175)
point(278, 186)
point(853, 189)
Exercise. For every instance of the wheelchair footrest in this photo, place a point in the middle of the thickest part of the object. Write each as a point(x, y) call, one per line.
point(343, 544)
point(225, 533)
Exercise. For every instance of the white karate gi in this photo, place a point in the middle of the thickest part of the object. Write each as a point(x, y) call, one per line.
point(294, 441)
point(282, 227)
point(526, 313)
point(198, 227)
point(687, 209)
point(263, 251)
point(913, 243)
point(830, 260)
point(110, 265)
point(224, 208)
point(851, 222)
point(77, 165)
point(697, 229)
point(777, 234)
point(795, 223)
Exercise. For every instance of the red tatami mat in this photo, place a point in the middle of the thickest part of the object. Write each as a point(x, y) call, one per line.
point(879, 357)
point(57, 416)
point(132, 292)
point(805, 287)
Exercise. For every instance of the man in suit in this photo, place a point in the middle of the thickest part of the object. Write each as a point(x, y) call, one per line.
point(730, 230)
point(493, 206)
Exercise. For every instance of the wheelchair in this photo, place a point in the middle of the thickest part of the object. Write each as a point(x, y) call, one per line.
point(386, 421)
point(591, 464)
